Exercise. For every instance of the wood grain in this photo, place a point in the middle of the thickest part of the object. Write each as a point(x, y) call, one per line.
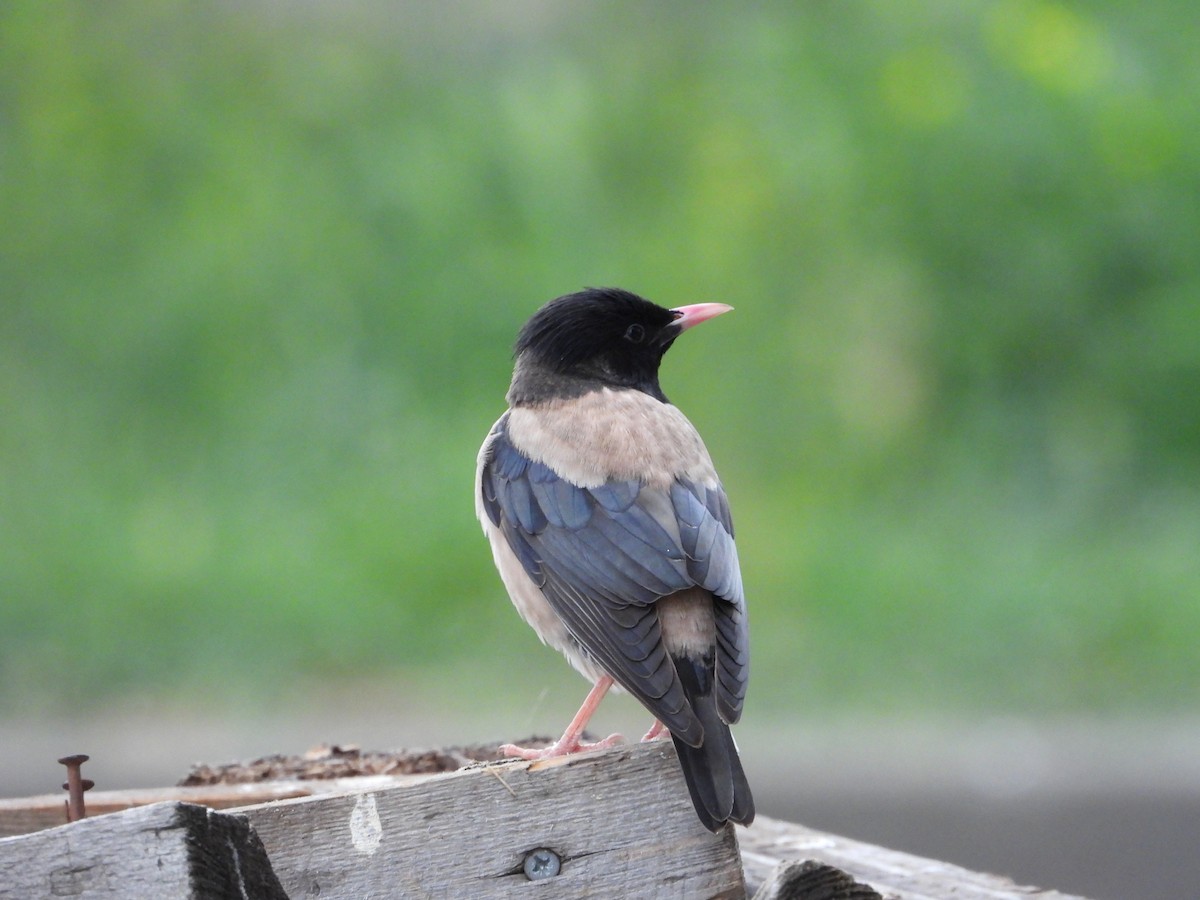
point(167, 850)
point(769, 842)
point(619, 820)
point(25, 815)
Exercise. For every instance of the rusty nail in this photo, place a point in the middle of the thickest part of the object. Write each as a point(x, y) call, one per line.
point(75, 785)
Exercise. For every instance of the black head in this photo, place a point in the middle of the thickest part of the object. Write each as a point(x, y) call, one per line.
point(603, 336)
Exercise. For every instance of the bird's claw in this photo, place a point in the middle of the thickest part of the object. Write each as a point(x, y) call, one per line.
point(657, 730)
point(562, 747)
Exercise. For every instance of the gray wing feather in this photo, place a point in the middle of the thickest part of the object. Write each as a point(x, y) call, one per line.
point(603, 555)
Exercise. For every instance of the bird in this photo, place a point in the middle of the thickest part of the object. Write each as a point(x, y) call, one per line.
point(612, 533)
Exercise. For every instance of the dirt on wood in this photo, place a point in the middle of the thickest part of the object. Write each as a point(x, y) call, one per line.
point(344, 761)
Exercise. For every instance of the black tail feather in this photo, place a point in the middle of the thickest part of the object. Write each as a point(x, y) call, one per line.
point(712, 770)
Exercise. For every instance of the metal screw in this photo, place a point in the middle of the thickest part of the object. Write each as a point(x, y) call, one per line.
point(75, 785)
point(541, 864)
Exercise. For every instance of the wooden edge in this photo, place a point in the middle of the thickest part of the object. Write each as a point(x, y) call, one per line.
point(24, 815)
point(770, 843)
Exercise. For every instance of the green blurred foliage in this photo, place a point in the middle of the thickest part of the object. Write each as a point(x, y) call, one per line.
point(262, 264)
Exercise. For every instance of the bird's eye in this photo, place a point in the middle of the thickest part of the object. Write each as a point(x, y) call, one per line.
point(635, 333)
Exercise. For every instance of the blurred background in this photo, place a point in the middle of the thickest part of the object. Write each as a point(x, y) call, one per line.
point(261, 267)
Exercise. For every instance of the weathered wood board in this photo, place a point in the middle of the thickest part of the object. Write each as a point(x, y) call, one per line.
point(168, 850)
point(769, 842)
point(620, 821)
point(26, 815)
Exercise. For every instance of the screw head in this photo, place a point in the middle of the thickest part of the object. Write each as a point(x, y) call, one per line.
point(77, 760)
point(542, 863)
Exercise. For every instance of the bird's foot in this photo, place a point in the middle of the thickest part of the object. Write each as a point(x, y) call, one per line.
point(657, 730)
point(562, 747)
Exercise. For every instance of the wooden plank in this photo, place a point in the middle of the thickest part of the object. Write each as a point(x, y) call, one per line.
point(619, 821)
point(25, 815)
point(172, 850)
point(609, 815)
point(768, 843)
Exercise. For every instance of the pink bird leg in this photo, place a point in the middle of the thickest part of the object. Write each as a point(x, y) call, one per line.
point(570, 742)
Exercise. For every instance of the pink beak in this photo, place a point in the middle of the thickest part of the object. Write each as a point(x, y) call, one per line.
point(687, 316)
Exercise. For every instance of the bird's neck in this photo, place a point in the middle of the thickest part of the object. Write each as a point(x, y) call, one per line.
point(534, 383)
